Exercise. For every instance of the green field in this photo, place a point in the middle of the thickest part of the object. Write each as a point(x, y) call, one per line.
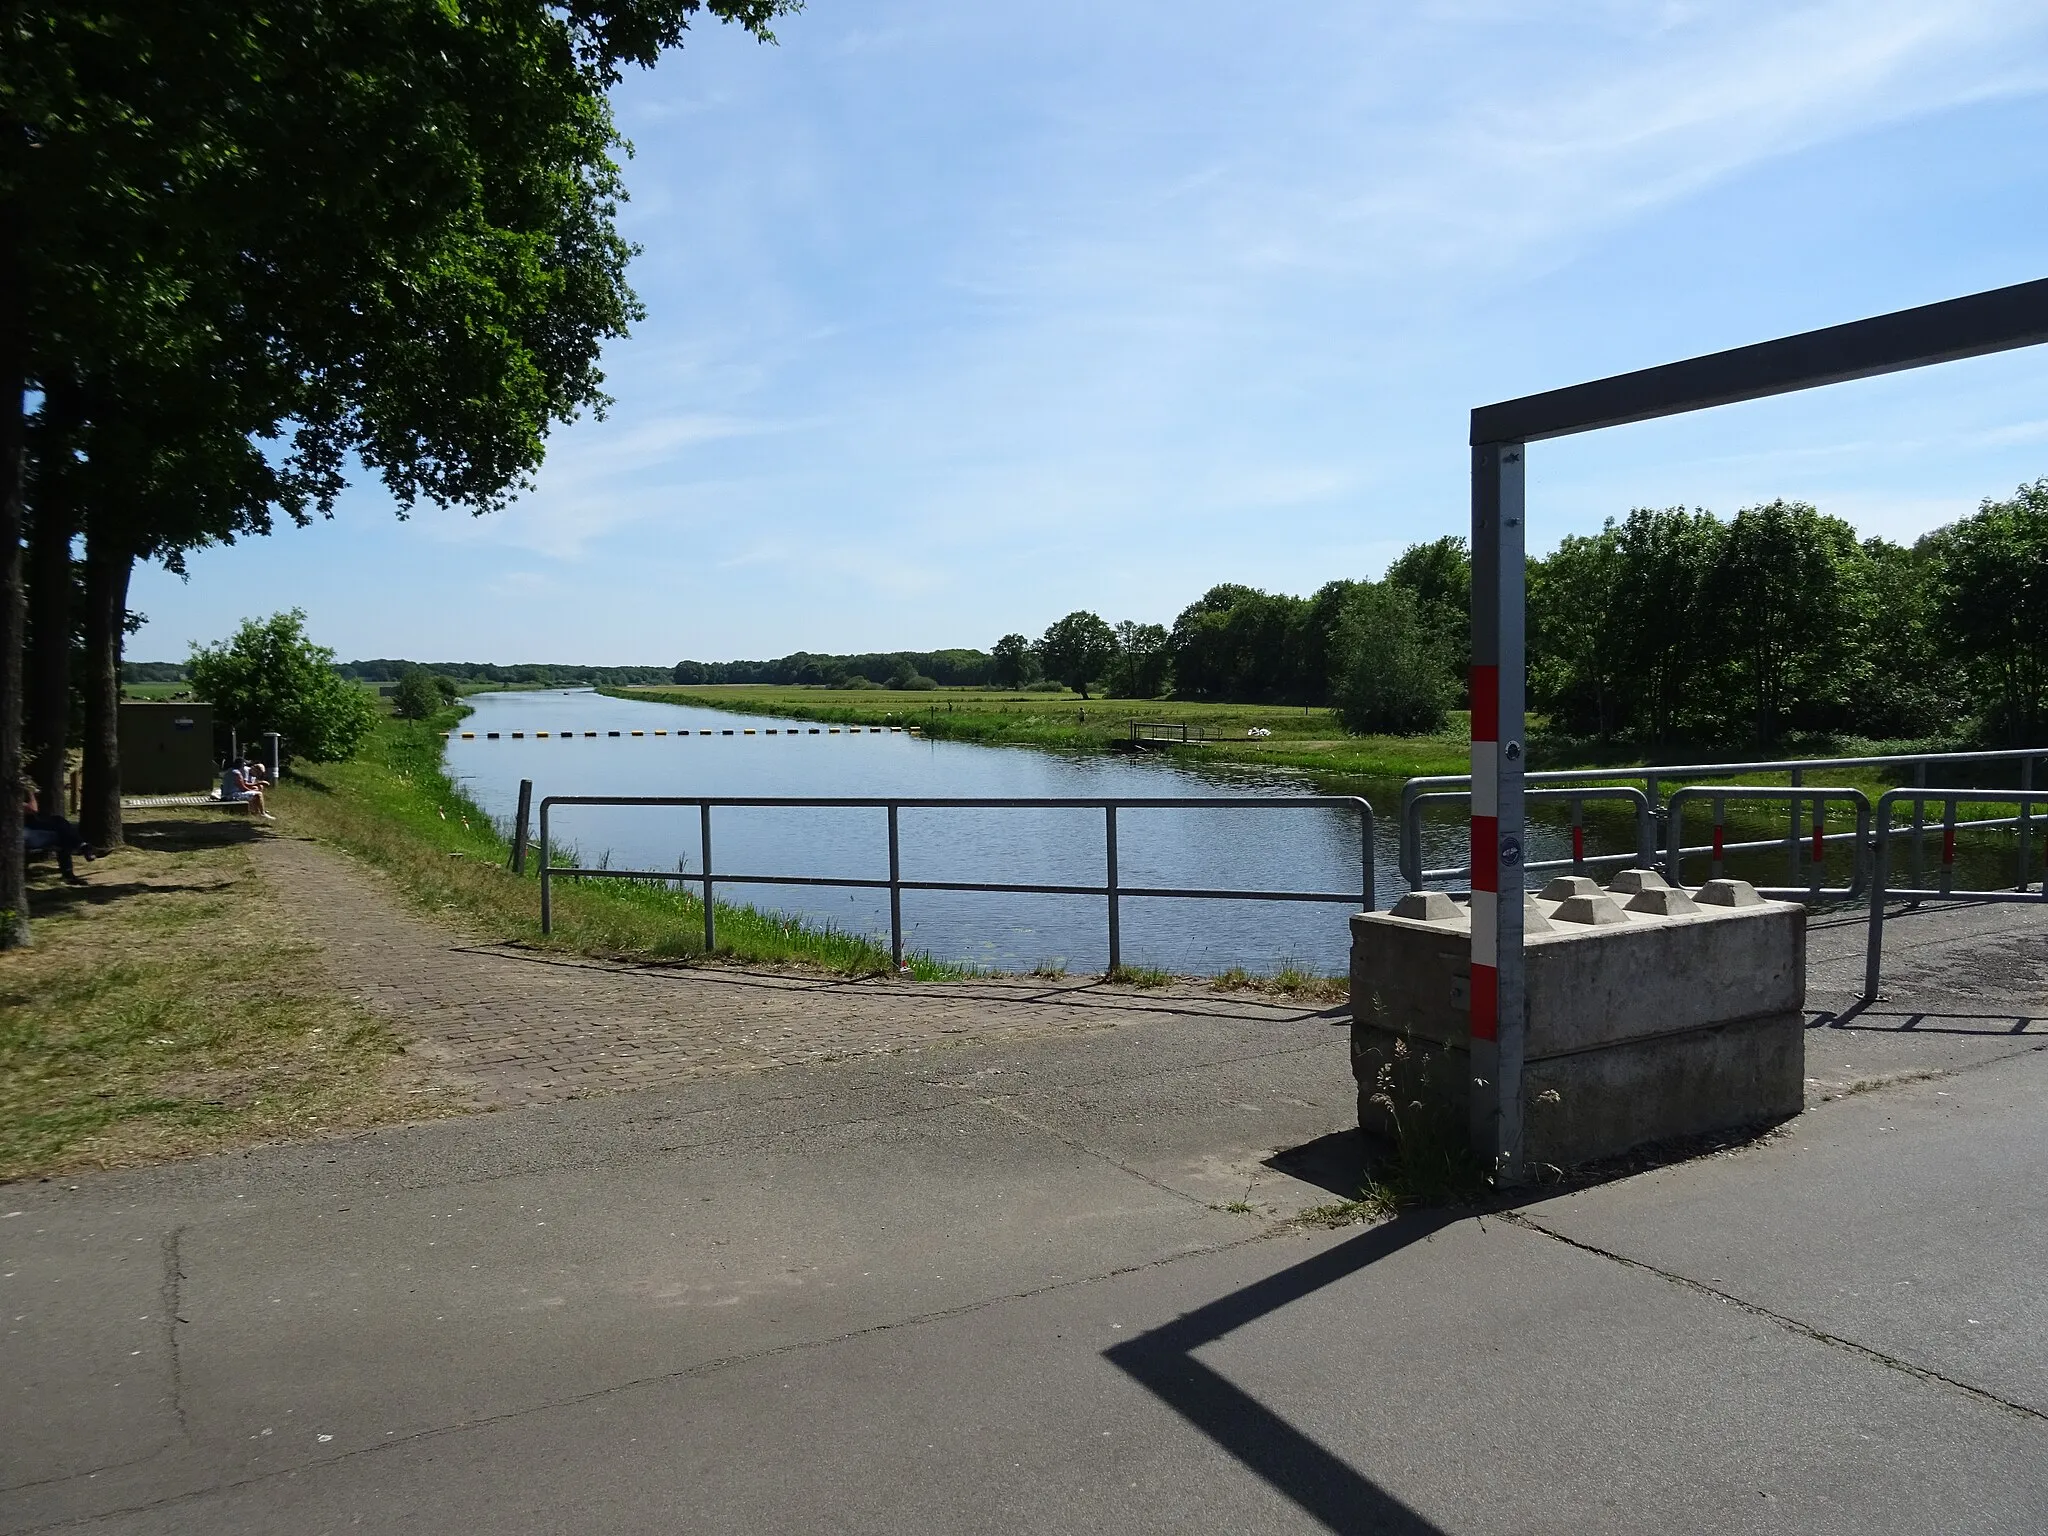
point(1301, 738)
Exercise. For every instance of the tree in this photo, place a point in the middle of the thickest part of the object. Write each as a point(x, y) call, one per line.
point(1013, 663)
point(269, 676)
point(1783, 595)
point(1991, 603)
point(1141, 666)
point(390, 226)
point(1575, 652)
point(416, 697)
point(1077, 650)
point(1391, 672)
point(1439, 574)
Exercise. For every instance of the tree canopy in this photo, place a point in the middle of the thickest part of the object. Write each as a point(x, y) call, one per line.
point(269, 676)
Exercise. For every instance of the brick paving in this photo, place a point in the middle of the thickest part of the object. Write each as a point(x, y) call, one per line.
point(511, 1026)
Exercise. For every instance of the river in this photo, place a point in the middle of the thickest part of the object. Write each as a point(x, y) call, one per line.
point(1244, 849)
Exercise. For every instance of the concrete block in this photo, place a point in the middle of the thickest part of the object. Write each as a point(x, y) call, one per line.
point(1661, 901)
point(1597, 910)
point(1680, 1016)
point(1633, 882)
point(1565, 887)
point(1728, 893)
point(1429, 907)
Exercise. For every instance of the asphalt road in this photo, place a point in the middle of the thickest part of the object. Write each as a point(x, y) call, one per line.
point(1002, 1288)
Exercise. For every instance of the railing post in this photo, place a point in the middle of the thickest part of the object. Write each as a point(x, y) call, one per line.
point(1919, 827)
point(2026, 824)
point(1820, 847)
point(547, 915)
point(519, 829)
point(1948, 846)
point(1720, 863)
point(1880, 860)
point(1116, 938)
point(1366, 873)
point(1579, 836)
point(1792, 831)
point(895, 894)
point(710, 920)
point(1657, 814)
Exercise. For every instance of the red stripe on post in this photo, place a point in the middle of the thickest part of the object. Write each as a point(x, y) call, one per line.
point(1578, 845)
point(1485, 853)
point(1485, 1002)
point(1948, 845)
point(1717, 840)
point(1486, 703)
point(1820, 851)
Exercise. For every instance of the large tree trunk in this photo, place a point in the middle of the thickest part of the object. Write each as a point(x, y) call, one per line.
point(107, 564)
point(13, 440)
point(49, 655)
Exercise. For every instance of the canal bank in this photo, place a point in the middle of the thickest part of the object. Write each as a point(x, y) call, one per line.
point(1243, 848)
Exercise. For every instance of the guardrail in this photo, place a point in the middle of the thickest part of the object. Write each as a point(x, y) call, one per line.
point(1653, 776)
point(1720, 794)
point(1111, 890)
point(1578, 863)
point(1880, 859)
point(1175, 731)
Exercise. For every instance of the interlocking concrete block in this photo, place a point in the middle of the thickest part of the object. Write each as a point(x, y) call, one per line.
point(1672, 1017)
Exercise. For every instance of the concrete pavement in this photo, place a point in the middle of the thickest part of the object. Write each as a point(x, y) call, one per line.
point(1003, 1287)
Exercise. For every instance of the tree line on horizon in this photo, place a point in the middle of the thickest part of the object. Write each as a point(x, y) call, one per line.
point(1669, 627)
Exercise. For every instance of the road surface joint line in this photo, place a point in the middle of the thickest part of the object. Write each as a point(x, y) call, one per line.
point(1790, 1324)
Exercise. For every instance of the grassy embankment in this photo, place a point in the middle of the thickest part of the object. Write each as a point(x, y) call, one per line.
point(1301, 738)
point(393, 806)
point(160, 1013)
point(1311, 740)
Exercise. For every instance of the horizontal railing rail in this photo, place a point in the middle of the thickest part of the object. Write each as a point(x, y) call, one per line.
point(1719, 795)
point(1112, 891)
point(1653, 776)
point(1881, 890)
point(1580, 860)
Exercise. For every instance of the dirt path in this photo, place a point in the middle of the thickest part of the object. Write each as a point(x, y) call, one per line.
point(513, 1026)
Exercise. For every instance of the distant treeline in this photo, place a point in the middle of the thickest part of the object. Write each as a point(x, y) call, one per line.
point(1665, 628)
point(895, 669)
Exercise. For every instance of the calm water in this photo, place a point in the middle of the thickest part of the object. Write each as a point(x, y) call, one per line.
point(1246, 849)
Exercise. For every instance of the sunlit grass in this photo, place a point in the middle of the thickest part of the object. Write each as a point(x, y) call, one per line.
point(159, 1012)
point(395, 807)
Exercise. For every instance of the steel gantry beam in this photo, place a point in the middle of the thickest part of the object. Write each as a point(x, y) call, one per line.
point(1973, 326)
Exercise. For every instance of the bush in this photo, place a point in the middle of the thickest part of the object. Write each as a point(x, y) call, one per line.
point(1391, 674)
point(269, 677)
point(415, 697)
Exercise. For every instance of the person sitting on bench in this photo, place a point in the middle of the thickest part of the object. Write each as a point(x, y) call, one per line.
point(240, 788)
point(47, 832)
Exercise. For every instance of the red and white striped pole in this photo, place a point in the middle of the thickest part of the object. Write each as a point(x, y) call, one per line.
point(1499, 1016)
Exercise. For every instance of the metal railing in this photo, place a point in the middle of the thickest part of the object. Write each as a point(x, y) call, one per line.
point(1881, 890)
point(1111, 890)
point(1654, 776)
point(1720, 794)
point(1580, 860)
point(1178, 732)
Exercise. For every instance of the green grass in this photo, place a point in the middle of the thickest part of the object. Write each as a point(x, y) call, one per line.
point(1301, 738)
point(395, 807)
point(159, 1013)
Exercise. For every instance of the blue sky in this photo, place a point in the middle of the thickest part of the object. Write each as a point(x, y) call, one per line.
point(965, 316)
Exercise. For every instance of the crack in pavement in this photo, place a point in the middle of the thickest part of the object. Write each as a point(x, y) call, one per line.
point(1779, 1319)
point(683, 1373)
point(170, 1302)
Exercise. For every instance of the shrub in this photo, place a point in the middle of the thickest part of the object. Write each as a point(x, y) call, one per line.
point(269, 677)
